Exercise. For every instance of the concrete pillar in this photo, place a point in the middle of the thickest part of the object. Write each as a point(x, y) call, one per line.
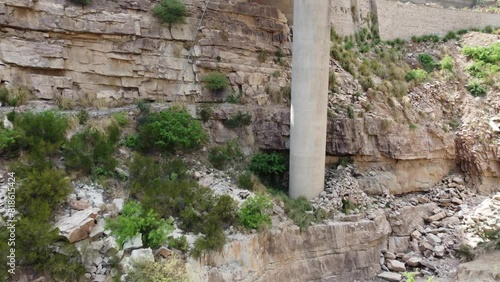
point(310, 69)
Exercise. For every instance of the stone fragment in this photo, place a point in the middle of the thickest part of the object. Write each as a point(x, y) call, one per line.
point(389, 255)
point(414, 261)
point(433, 239)
point(133, 243)
point(390, 276)
point(164, 252)
point(78, 226)
point(395, 265)
point(439, 251)
point(438, 216)
point(416, 234)
point(80, 204)
point(98, 229)
point(426, 246)
point(429, 264)
point(119, 204)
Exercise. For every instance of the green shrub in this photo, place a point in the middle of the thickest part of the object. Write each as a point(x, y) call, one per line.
point(481, 69)
point(462, 31)
point(216, 81)
point(350, 112)
point(233, 99)
point(446, 63)
point(91, 151)
point(42, 191)
point(4, 95)
point(43, 131)
point(427, 62)
point(487, 54)
point(83, 117)
point(245, 181)
point(266, 165)
point(171, 12)
point(488, 29)
point(206, 113)
point(417, 75)
point(255, 213)
point(412, 126)
point(134, 220)
point(171, 130)
point(476, 89)
point(239, 120)
point(81, 2)
point(11, 142)
point(450, 35)
point(220, 156)
point(121, 118)
point(179, 243)
point(131, 141)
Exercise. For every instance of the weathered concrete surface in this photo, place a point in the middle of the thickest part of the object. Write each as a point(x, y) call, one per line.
point(340, 251)
point(308, 115)
point(403, 20)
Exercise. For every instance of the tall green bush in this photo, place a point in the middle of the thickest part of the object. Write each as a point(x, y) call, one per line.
point(171, 130)
point(171, 12)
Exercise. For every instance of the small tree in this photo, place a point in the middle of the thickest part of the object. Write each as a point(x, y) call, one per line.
point(171, 12)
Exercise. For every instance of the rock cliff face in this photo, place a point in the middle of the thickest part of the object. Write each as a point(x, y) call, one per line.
point(117, 51)
point(339, 251)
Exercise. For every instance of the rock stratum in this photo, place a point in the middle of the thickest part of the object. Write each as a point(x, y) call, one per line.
point(117, 51)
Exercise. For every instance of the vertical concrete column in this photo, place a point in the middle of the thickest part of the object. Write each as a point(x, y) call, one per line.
point(308, 120)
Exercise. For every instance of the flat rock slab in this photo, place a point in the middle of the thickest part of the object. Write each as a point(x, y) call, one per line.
point(390, 276)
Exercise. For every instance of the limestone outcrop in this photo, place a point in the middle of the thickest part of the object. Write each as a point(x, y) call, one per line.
point(117, 51)
point(337, 251)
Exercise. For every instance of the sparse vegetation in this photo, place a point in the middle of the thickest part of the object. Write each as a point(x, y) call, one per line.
point(170, 12)
point(427, 62)
point(255, 212)
point(134, 220)
point(418, 75)
point(239, 120)
point(446, 63)
point(221, 156)
point(476, 89)
point(81, 2)
point(171, 270)
point(216, 81)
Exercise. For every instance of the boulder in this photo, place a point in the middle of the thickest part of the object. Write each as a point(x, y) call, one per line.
point(395, 265)
point(390, 276)
point(78, 226)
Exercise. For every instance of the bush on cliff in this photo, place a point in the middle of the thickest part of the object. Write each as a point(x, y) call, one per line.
point(81, 2)
point(255, 212)
point(216, 81)
point(171, 12)
point(170, 130)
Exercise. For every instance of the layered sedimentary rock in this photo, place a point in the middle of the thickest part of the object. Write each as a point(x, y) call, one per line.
point(338, 251)
point(118, 51)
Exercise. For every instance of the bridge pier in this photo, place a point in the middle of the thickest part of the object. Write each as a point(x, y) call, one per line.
point(310, 71)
